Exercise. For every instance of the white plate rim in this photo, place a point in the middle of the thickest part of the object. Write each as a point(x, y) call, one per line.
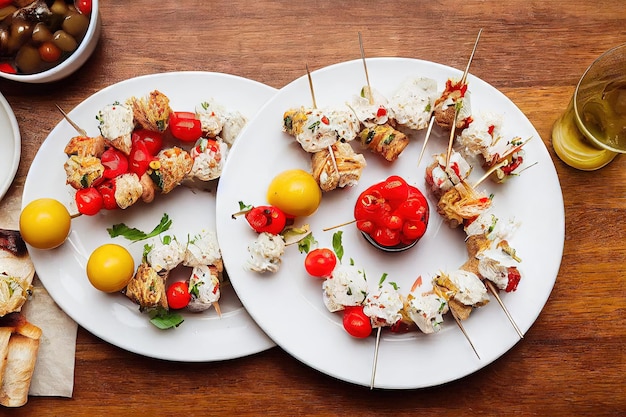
point(242, 337)
point(13, 140)
point(253, 290)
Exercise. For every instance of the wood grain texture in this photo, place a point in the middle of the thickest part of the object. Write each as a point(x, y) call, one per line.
point(571, 362)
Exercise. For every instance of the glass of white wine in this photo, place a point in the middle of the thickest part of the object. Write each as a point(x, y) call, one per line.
point(592, 131)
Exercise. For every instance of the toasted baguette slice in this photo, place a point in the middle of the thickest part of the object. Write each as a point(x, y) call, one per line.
point(19, 360)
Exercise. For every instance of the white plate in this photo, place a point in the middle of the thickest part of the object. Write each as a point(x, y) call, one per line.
point(288, 305)
point(113, 317)
point(11, 145)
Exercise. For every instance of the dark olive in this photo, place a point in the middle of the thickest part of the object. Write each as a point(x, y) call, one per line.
point(4, 41)
point(20, 33)
point(76, 25)
point(64, 41)
point(28, 60)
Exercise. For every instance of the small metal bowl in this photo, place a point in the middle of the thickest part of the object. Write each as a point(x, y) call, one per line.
point(396, 248)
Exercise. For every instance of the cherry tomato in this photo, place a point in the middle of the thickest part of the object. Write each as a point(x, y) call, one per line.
point(89, 201)
point(83, 6)
point(356, 323)
point(153, 140)
point(320, 262)
point(49, 52)
point(115, 163)
point(140, 158)
point(184, 126)
point(178, 295)
point(107, 190)
point(268, 219)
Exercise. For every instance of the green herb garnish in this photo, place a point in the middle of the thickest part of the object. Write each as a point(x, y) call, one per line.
point(337, 245)
point(136, 235)
point(164, 319)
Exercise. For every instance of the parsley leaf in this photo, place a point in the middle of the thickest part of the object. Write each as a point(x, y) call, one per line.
point(136, 235)
point(337, 245)
point(164, 319)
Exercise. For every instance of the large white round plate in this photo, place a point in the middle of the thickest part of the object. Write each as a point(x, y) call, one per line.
point(11, 145)
point(113, 317)
point(288, 305)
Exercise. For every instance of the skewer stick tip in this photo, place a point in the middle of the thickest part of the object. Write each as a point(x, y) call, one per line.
point(71, 122)
point(494, 292)
point(375, 358)
point(458, 322)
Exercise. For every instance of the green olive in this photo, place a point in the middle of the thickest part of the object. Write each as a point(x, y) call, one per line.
point(76, 25)
point(41, 33)
point(28, 59)
point(59, 7)
point(64, 41)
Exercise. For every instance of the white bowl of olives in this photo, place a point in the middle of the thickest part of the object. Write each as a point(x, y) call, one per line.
point(46, 40)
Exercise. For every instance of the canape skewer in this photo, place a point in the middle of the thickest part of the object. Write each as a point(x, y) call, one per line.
point(71, 122)
point(456, 109)
point(330, 148)
point(370, 97)
point(488, 283)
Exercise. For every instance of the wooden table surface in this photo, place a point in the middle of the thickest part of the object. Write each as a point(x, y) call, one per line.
point(571, 361)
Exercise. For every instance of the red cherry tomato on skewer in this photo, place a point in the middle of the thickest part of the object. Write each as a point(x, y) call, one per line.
point(320, 262)
point(356, 323)
point(115, 163)
point(152, 140)
point(107, 190)
point(178, 295)
point(185, 126)
point(88, 201)
point(268, 219)
point(140, 158)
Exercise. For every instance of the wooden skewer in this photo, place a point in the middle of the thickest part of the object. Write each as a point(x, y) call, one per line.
point(494, 291)
point(217, 308)
point(456, 109)
point(489, 172)
point(308, 73)
point(430, 128)
point(375, 358)
point(458, 322)
point(367, 77)
point(330, 148)
point(71, 122)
